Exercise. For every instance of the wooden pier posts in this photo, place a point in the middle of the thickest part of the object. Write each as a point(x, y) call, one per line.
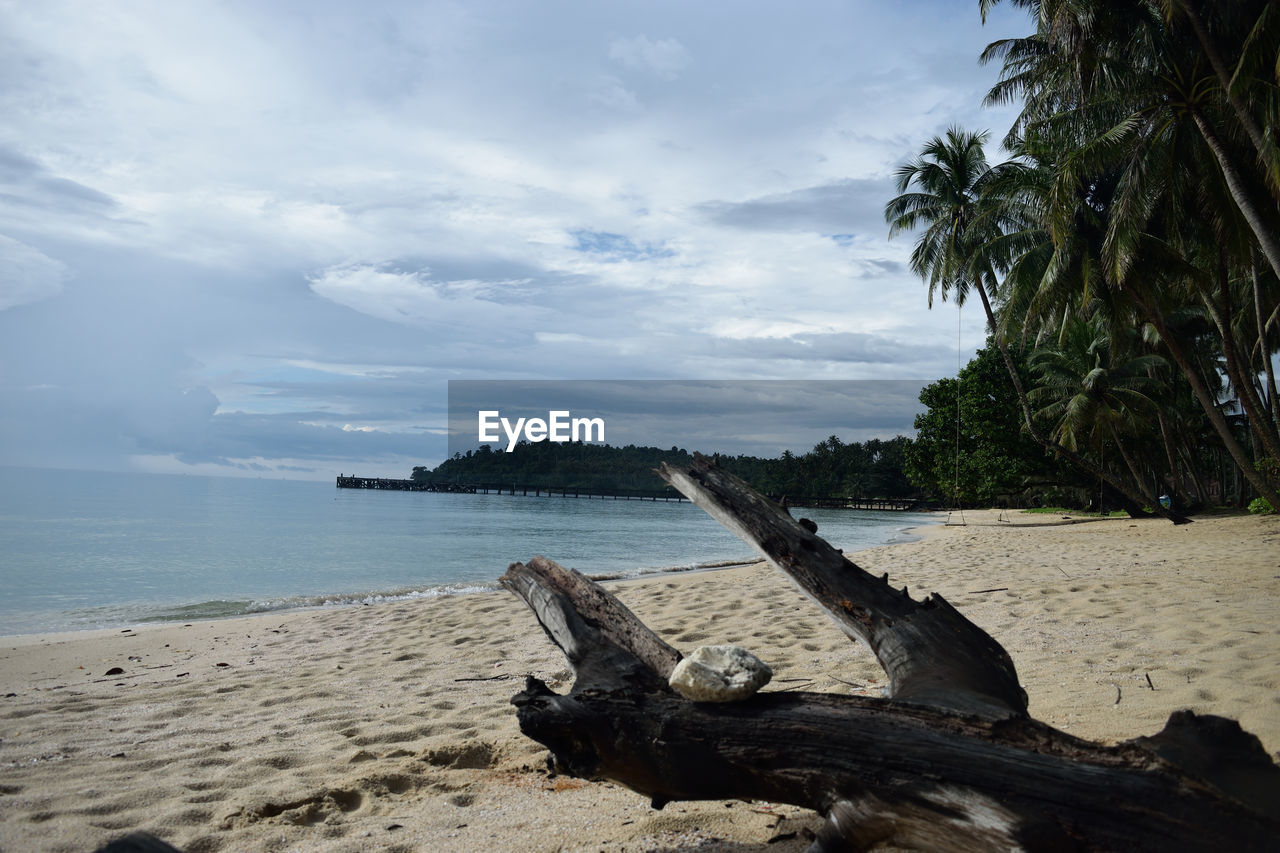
point(388, 484)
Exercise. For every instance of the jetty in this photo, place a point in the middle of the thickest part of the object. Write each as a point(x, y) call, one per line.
point(509, 489)
point(668, 494)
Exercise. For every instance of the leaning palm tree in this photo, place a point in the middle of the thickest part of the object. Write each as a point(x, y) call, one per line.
point(1098, 393)
point(948, 193)
point(1170, 107)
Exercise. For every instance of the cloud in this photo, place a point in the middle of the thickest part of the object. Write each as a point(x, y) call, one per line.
point(612, 93)
point(839, 348)
point(842, 209)
point(34, 197)
point(665, 58)
point(26, 274)
point(174, 422)
point(414, 297)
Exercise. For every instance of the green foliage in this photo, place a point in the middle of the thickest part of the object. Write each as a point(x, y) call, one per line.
point(1092, 387)
point(833, 469)
point(575, 464)
point(1260, 506)
point(1142, 196)
point(1130, 241)
point(997, 459)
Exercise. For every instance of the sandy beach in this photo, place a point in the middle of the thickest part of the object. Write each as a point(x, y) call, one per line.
point(388, 727)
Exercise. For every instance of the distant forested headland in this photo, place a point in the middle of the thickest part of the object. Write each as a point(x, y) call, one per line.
point(832, 469)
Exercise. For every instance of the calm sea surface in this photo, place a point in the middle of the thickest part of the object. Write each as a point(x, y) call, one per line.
point(86, 549)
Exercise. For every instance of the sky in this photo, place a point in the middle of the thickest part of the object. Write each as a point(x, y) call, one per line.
point(258, 239)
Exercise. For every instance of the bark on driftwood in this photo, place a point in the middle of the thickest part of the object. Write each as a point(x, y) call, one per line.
point(949, 761)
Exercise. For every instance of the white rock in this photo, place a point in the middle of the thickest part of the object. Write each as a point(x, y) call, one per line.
point(720, 674)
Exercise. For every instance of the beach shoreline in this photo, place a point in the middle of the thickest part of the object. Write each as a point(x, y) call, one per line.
point(388, 726)
point(87, 550)
point(198, 611)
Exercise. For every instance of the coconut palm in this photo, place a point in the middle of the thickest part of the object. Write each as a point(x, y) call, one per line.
point(949, 193)
point(1112, 79)
point(1158, 116)
point(1097, 391)
point(941, 192)
point(946, 193)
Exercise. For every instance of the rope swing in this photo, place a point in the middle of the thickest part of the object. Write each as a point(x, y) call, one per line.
point(955, 496)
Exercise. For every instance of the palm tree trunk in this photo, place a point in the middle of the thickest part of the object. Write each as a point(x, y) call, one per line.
point(1193, 465)
point(1241, 379)
point(1176, 481)
point(1272, 408)
point(1210, 406)
point(1054, 447)
point(1266, 153)
point(1239, 192)
point(1195, 472)
point(1129, 463)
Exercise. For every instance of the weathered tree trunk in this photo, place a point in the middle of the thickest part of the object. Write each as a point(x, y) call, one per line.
point(949, 761)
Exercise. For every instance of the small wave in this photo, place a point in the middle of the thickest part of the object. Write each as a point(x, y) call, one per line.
point(902, 535)
point(199, 610)
point(225, 609)
point(647, 571)
point(345, 599)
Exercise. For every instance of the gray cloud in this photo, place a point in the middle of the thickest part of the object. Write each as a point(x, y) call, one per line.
point(242, 436)
point(665, 58)
point(844, 207)
point(26, 183)
point(27, 274)
point(839, 348)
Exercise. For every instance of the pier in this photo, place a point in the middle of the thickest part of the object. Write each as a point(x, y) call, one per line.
point(515, 489)
point(667, 494)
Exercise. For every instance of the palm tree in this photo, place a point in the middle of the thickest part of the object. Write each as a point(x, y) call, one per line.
point(1116, 76)
point(1240, 41)
point(1157, 114)
point(949, 176)
point(1098, 392)
point(949, 191)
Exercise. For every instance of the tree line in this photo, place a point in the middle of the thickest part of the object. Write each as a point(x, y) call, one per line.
point(832, 469)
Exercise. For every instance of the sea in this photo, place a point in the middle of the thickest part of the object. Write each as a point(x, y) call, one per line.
point(84, 549)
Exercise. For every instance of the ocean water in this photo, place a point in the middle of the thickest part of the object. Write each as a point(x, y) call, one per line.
point(83, 549)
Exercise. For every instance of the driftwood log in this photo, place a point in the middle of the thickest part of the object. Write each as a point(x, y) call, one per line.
point(950, 760)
